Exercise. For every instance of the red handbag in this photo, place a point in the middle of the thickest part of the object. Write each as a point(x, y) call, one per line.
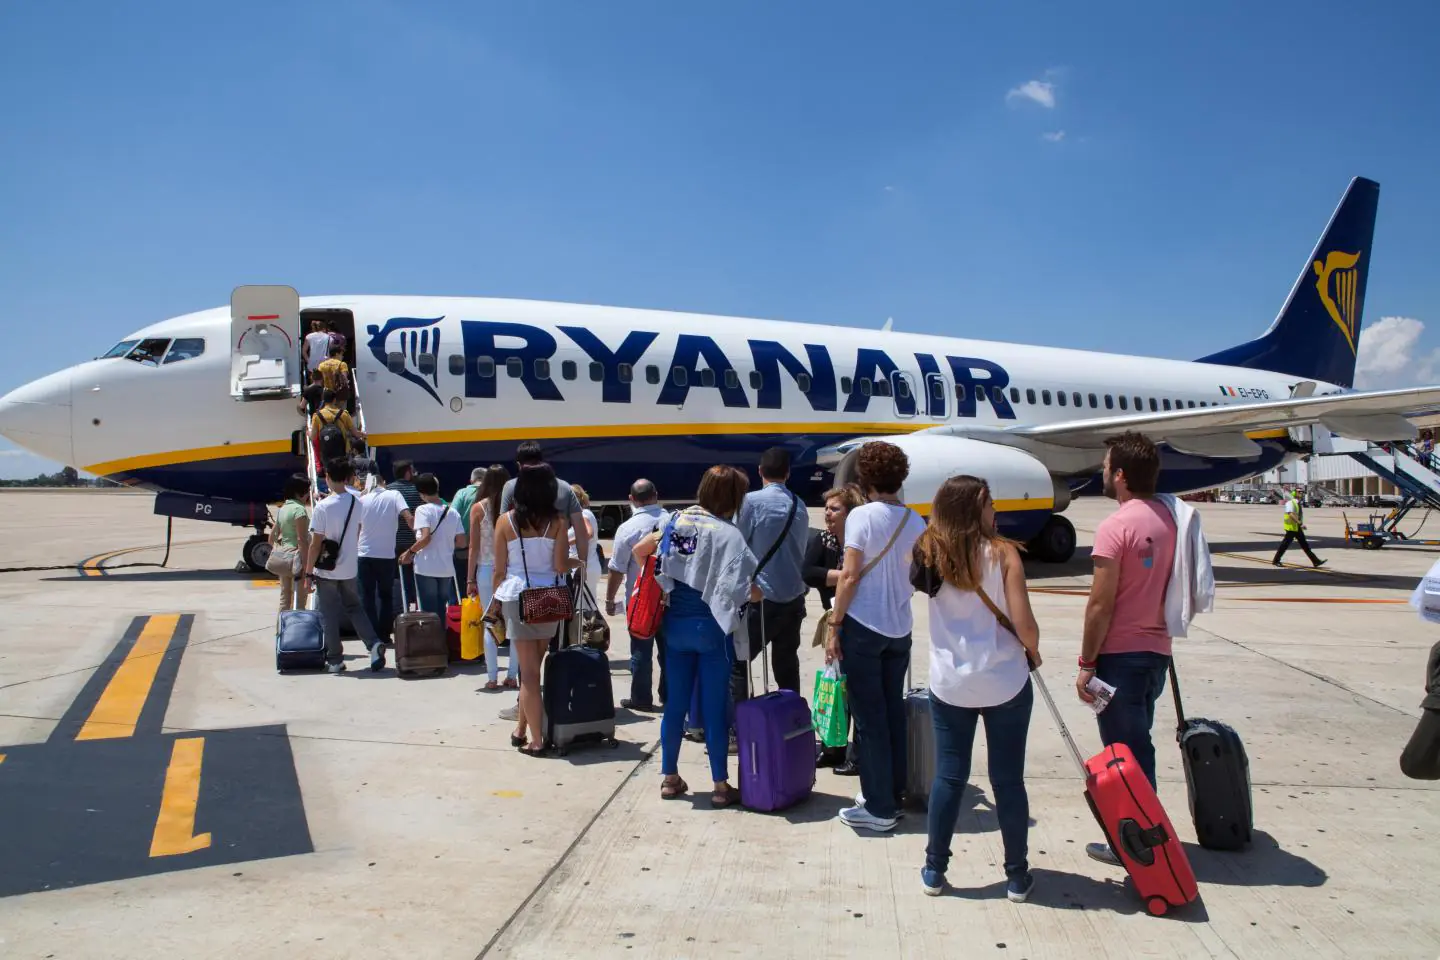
point(647, 604)
point(543, 604)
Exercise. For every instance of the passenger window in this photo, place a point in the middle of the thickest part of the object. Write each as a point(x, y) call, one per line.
point(185, 349)
point(484, 366)
point(395, 362)
point(652, 374)
point(1045, 397)
point(902, 388)
point(960, 392)
point(427, 363)
point(1203, 403)
point(865, 388)
point(803, 382)
point(542, 369)
point(597, 371)
point(680, 375)
point(1030, 396)
point(707, 377)
point(120, 349)
point(1093, 404)
point(569, 370)
point(937, 390)
point(1060, 397)
point(1139, 404)
point(732, 380)
point(1166, 404)
point(515, 367)
point(626, 372)
point(1076, 398)
point(1153, 405)
point(1014, 394)
point(756, 380)
point(882, 388)
point(1190, 404)
point(1109, 402)
point(149, 352)
point(1124, 403)
point(980, 392)
point(845, 384)
point(457, 365)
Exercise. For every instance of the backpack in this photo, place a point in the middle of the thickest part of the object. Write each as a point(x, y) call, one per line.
point(332, 440)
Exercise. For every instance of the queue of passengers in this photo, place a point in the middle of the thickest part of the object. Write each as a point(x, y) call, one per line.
point(736, 567)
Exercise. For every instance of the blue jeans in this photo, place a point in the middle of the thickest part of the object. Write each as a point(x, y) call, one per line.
point(642, 668)
point(377, 593)
point(1006, 727)
point(875, 668)
point(435, 593)
point(1138, 679)
point(696, 647)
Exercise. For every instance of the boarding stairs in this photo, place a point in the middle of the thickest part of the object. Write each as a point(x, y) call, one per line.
point(1414, 473)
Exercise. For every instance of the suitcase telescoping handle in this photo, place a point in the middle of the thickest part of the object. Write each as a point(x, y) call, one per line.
point(404, 600)
point(1175, 692)
point(757, 611)
point(1059, 722)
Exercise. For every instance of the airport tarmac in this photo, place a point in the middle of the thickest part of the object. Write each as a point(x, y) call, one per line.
point(164, 792)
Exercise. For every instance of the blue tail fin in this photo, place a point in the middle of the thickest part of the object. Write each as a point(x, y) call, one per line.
point(1317, 333)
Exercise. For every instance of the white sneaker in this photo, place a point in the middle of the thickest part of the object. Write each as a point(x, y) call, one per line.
point(860, 802)
point(859, 817)
point(511, 712)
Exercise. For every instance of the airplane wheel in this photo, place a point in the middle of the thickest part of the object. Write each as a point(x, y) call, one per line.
point(1055, 543)
point(256, 552)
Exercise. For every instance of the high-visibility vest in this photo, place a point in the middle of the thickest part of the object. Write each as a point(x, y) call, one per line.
point(1294, 519)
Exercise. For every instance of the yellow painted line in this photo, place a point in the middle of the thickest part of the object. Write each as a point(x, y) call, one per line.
point(507, 794)
point(175, 826)
point(259, 584)
point(93, 568)
point(2, 758)
point(189, 456)
point(118, 710)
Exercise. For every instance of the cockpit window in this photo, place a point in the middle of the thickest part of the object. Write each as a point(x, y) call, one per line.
point(186, 348)
point(148, 352)
point(120, 349)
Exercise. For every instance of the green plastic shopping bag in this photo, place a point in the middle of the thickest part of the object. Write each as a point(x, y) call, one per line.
point(832, 720)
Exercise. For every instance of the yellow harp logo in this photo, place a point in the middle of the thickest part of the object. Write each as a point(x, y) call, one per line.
point(1337, 283)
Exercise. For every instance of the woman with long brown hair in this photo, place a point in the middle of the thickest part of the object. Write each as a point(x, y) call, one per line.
point(983, 639)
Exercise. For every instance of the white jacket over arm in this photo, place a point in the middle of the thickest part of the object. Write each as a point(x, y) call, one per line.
point(1192, 579)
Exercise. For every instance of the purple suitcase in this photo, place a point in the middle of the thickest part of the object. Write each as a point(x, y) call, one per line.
point(777, 747)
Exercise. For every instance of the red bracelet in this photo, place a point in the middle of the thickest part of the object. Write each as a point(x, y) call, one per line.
point(1087, 664)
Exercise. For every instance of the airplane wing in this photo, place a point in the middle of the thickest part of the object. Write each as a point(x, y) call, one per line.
point(1221, 431)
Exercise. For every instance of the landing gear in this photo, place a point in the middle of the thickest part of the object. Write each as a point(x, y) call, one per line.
point(1055, 543)
point(256, 552)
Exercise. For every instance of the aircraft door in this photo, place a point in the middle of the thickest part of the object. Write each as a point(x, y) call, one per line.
point(264, 343)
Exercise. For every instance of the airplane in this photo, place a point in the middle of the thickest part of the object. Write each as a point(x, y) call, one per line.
point(202, 407)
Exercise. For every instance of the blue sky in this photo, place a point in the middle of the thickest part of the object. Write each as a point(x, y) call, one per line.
point(840, 163)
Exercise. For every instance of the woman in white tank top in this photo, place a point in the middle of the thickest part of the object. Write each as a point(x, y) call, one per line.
point(978, 671)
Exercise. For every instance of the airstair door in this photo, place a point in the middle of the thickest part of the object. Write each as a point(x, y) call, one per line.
point(264, 343)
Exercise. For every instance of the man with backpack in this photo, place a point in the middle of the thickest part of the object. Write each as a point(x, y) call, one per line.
point(647, 515)
point(336, 435)
point(775, 525)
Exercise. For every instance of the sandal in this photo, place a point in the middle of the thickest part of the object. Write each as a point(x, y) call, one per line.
point(491, 685)
point(533, 751)
point(511, 683)
point(517, 741)
point(672, 787)
point(721, 799)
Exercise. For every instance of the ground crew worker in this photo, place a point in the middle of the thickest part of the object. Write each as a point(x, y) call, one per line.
point(1295, 530)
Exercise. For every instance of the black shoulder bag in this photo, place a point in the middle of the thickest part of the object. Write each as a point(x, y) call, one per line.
point(330, 549)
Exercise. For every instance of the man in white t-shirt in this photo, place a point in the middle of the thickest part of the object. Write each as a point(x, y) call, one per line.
point(338, 518)
point(870, 625)
point(623, 567)
point(438, 534)
point(317, 344)
point(382, 510)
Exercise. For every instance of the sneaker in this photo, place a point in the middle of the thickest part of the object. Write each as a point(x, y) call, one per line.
point(1017, 889)
point(899, 809)
point(1320, 563)
point(335, 668)
point(511, 712)
point(859, 817)
point(377, 658)
point(933, 881)
point(1103, 853)
point(695, 735)
point(629, 704)
point(846, 769)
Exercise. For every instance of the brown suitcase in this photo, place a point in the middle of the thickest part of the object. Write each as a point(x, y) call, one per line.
point(419, 640)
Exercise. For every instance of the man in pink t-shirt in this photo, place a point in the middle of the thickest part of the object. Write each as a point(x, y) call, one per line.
point(1126, 643)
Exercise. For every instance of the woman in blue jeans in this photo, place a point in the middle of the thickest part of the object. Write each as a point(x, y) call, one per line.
point(707, 572)
point(983, 642)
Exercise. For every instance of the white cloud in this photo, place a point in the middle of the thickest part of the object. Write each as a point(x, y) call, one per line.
point(1391, 355)
point(1055, 136)
point(889, 188)
point(1040, 91)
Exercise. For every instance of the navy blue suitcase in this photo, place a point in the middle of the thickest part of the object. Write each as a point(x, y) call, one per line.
point(578, 699)
point(300, 641)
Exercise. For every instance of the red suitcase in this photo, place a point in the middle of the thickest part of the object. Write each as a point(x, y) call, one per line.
point(1136, 825)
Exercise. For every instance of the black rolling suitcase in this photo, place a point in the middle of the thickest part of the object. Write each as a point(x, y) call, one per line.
point(299, 641)
point(577, 698)
point(1217, 775)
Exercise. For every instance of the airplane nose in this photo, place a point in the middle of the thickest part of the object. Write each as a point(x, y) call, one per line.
point(37, 417)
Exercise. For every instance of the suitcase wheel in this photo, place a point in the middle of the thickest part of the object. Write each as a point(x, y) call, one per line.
point(1157, 906)
point(562, 751)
